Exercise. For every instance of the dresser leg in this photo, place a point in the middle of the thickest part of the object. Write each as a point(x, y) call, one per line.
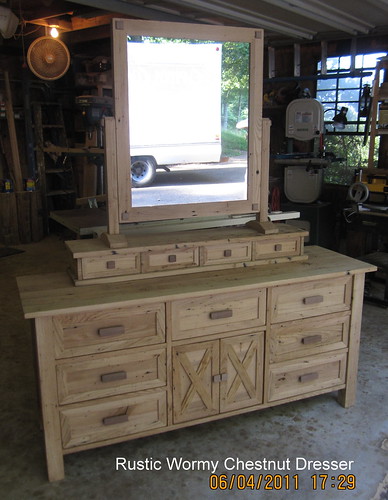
point(55, 466)
point(347, 396)
point(44, 332)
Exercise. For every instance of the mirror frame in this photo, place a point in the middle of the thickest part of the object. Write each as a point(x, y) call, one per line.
point(118, 158)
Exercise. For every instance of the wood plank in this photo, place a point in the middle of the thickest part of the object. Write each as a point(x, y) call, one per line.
point(9, 234)
point(16, 167)
point(24, 216)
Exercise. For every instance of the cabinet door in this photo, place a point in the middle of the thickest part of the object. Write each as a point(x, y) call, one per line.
point(241, 364)
point(195, 394)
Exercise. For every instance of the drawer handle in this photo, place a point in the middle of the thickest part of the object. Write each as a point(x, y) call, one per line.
point(226, 313)
point(111, 331)
point(308, 377)
point(112, 377)
point(116, 419)
point(314, 299)
point(227, 253)
point(278, 247)
point(312, 339)
point(111, 264)
point(222, 377)
point(172, 258)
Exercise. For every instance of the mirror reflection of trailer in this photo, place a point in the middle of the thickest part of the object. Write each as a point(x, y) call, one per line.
point(174, 106)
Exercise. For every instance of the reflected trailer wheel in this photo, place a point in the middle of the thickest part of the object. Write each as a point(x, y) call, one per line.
point(143, 171)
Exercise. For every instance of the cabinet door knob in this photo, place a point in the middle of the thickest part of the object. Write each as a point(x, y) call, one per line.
point(308, 377)
point(226, 313)
point(314, 299)
point(112, 377)
point(111, 331)
point(221, 377)
point(116, 419)
point(311, 339)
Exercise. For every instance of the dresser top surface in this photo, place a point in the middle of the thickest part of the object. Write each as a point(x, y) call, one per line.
point(51, 294)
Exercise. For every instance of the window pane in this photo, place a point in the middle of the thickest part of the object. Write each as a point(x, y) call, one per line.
point(326, 96)
point(349, 83)
point(352, 114)
point(332, 63)
point(345, 62)
point(348, 95)
point(331, 83)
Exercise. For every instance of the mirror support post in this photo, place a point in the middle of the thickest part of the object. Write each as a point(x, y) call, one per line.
point(112, 238)
point(262, 224)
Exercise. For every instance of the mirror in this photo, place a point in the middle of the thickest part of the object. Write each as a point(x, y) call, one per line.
point(183, 93)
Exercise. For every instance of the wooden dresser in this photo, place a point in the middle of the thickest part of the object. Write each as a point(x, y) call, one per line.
point(119, 361)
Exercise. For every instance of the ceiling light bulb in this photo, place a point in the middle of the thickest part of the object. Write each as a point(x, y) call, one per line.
point(54, 32)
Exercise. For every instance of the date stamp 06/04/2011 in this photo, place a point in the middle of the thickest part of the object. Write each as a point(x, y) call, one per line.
point(232, 473)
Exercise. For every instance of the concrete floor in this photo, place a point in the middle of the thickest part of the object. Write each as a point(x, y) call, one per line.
point(315, 429)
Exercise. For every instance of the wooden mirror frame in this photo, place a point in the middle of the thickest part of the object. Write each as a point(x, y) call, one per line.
point(117, 137)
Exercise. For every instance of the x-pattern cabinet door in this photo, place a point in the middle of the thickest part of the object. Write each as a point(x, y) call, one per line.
point(242, 361)
point(195, 393)
point(217, 376)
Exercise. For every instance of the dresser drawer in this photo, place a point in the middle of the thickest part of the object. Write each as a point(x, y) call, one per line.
point(211, 314)
point(170, 258)
point(276, 247)
point(295, 339)
point(105, 375)
point(225, 252)
point(112, 418)
point(100, 331)
point(111, 265)
point(289, 379)
point(311, 298)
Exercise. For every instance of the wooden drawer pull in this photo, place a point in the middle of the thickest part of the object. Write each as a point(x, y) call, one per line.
point(111, 331)
point(227, 253)
point(278, 247)
point(308, 377)
point(112, 377)
point(172, 258)
point(116, 419)
point(312, 339)
point(111, 264)
point(226, 313)
point(314, 299)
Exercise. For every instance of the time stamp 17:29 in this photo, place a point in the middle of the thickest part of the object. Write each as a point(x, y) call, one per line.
point(280, 482)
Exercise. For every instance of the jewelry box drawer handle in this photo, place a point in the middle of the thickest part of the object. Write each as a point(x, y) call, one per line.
point(111, 264)
point(308, 377)
point(172, 258)
point(116, 419)
point(314, 299)
point(228, 253)
point(113, 377)
point(312, 339)
point(278, 247)
point(111, 331)
point(226, 313)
